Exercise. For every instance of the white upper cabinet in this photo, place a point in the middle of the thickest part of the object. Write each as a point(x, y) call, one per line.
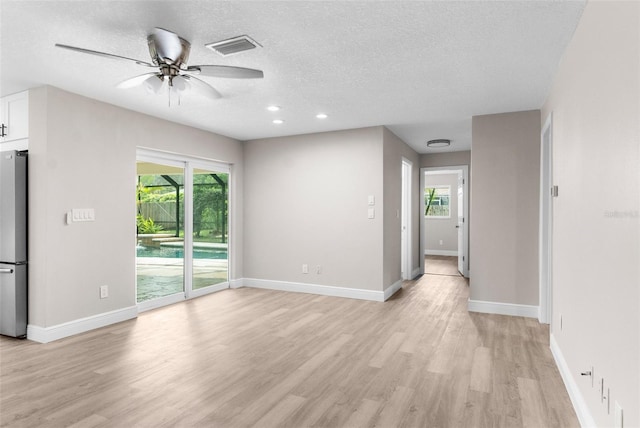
point(14, 114)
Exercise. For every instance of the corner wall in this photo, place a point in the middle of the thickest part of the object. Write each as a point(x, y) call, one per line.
point(504, 213)
point(306, 203)
point(595, 101)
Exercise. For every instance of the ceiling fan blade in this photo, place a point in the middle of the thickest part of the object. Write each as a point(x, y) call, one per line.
point(202, 87)
point(225, 71)
point(104, 54)
point(167, 44)
point(136, 81)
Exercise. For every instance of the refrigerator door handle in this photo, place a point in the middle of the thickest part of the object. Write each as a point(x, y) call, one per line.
point(6, 270)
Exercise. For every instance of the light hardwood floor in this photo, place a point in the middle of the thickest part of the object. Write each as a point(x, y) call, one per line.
point(250, 357)
point(441, 265)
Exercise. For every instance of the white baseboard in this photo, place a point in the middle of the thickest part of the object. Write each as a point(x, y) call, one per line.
point(503, 308)
point(392, 289)
point(417, 271)
point(49, 334)
point(440, 253)
point(236, 283)
point(324, 290)
point(577, 399)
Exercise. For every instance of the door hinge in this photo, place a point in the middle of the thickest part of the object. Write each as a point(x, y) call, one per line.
point(3, 130)
point(554, 191)
point(462, 258)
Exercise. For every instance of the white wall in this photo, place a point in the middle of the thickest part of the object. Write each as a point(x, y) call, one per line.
point(437, 229)
point(306, 202)
point(596, 164)
point(82, 154)
point(504, 205)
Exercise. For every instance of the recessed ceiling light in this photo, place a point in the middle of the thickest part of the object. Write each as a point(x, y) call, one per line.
point(278, 121)
point(438, 143)
point(273, 108)
point(321, 116)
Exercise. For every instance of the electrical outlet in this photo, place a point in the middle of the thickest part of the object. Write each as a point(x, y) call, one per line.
point(318, 269)
point(104, 291)
point(305, 268)
point(440, 242)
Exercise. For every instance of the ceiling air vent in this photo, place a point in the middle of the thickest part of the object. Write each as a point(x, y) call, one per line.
point(233, 46)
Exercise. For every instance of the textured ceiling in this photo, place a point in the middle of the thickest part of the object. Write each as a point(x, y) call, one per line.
point(422, 69)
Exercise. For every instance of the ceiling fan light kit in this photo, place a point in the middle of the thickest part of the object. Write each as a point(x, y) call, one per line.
point(169, 55)
point(441, 142)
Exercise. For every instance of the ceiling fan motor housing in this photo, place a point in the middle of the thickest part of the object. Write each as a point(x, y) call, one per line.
point(161, 55)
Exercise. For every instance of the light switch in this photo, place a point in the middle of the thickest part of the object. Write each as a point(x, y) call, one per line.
point(372, 200)
point(83, 214)
point(371, 213)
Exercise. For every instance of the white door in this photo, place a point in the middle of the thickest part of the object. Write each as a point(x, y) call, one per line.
point(460, 224)
point(405, 227)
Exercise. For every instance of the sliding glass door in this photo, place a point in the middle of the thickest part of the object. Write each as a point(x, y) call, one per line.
point(159, 230)
point(210, 257)
point(182, 228)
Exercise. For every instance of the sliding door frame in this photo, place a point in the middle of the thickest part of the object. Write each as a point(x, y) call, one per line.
point(189, 163)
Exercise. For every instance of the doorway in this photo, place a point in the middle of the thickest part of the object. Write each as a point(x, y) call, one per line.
point(182, 233)
point(444, 237)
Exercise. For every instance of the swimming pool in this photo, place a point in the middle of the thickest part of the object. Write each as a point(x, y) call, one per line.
point(178, 253)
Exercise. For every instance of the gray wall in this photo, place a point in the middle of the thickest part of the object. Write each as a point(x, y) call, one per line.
point(82, 154)
point(596, 251)
point(445, 159)
point(504, 206)
point(444, 229)
point(306, 202)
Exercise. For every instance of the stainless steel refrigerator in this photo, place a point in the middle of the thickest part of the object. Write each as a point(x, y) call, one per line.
point(13, 243)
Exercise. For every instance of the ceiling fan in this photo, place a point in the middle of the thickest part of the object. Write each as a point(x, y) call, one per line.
point(169, 55)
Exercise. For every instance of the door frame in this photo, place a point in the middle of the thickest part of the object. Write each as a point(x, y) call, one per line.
point(406, 244)
point(545, 259)
point(190, 163)
point(464, 169)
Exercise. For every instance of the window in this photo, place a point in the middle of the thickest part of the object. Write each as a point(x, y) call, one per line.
point(436, 201)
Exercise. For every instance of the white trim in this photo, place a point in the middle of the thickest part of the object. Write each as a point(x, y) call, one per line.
point(323, 290)
point(209, 289)
point(406, 235)
point(148, 305)
point(392, 289)
point(577, 399)
point(499, 308)
point(60, 331)
point(155, 155)
point(440, 253)
point(236, 283)
point(545, 239)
